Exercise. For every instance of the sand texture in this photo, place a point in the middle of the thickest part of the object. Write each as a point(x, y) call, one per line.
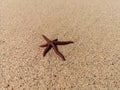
point(92, 62)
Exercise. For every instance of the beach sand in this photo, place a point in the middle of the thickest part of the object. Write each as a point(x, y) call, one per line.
point(92, 62)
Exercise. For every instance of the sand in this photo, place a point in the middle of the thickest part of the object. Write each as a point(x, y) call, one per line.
point(92, 62)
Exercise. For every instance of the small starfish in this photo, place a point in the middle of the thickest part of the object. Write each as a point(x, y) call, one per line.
point(53, 44)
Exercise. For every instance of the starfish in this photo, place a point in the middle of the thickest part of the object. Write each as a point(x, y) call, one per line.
point(53, 44)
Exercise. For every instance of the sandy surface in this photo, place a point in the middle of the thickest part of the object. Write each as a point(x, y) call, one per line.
point(92, 62)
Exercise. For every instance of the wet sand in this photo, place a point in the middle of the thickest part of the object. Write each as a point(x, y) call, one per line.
point(92, 62)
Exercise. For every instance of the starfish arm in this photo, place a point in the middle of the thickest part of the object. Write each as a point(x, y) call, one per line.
point(63, 42)
point(57, 52)
point(47, 49)
point(44, 45)
point(45, 38)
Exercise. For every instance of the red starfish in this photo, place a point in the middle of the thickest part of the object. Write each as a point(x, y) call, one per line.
point(53, 44)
